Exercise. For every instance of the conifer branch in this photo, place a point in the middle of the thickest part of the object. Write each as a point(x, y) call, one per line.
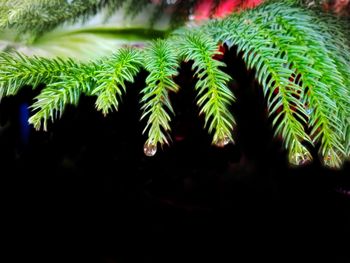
point(327, 94)
point(51, 102)
point(301, 59)
point(214, 97)
point(17, 70)
point(337, 44)
point(273, 73)
point(282, 34)
point(123, 66)
point(39, 16)
point(161, 63)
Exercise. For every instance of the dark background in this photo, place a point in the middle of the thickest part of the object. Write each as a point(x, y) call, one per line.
point(84, 191)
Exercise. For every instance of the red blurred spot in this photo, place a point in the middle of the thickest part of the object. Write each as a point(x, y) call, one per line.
point(203, 9)
point(251, 3)
point(340, 5)
point(226, 7)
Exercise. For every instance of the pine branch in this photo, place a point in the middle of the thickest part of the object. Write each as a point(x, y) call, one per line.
point(32, 18)
point(17, 70)
point(214, 97)
point(302, 62)
point(162, 63)
point(39, 16)
point(327, 94)
point(51, 102)
point(273, 73)
point(123, 66)
point(282, 35)
point(337, 42)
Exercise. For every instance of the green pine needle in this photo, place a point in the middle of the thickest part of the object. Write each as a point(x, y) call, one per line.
point(39, 16)
point(301, 58)
point(161, 61)
point(51, 102)
point(123, 66)
point(214, 97)
point(282, 42)
point(17, 70)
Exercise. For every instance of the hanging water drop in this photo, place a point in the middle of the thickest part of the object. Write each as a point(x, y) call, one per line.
point(333, 159)
point(149, 149)
point(328, 160)
point(308, 110)
point(300, 159)
point(223, 141)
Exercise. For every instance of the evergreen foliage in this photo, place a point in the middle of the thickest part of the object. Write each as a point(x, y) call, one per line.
point(213, 94)
point(301, 58)
point(39, 16)
point(161, 62)
point(110, 79)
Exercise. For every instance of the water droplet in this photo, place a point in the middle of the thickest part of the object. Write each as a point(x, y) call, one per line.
point(308, 110)
point(149, 149)
point(300, 159)
point(223, 142)
point(328, 161)
point(333, 159)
